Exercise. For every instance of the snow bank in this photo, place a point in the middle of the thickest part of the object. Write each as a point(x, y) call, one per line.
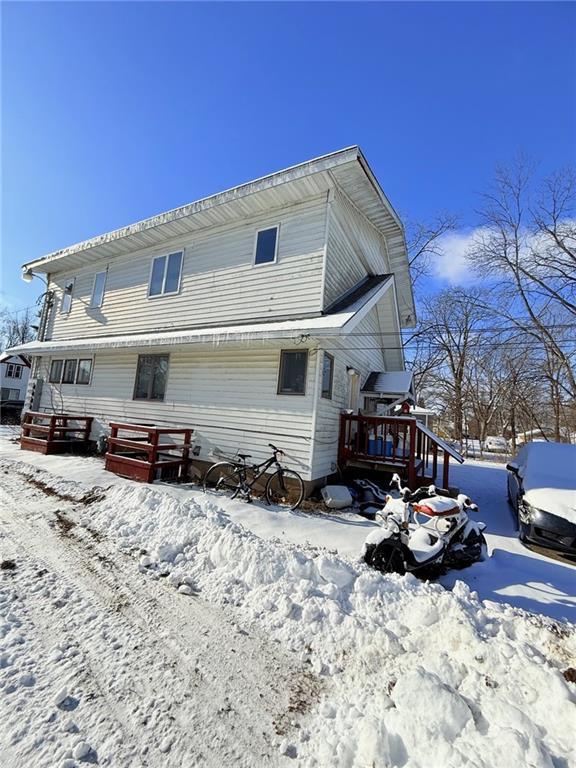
point(414, 675)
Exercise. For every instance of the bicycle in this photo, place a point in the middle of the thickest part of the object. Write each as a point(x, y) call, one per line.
point(284, 487)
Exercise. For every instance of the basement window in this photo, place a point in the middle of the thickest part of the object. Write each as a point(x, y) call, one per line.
point(327, 375)
point(151, 377)
point(98, 290)
point(165, 274)
point(266, 248)
point(292, 374)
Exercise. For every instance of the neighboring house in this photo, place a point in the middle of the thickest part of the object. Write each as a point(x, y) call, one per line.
point(255, 315)
point(14, 374)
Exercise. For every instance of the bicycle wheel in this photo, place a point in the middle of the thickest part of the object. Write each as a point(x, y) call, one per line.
point(286, 488)
point(223, 478)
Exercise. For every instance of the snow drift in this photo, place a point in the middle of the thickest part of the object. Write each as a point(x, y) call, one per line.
point(414, 675)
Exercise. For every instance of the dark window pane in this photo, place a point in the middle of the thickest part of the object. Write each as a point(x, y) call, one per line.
point(157, 276)
point(293, 373)
point(55, 371)
point(151, 376)
point(173, 272)
point(84, 370)
point(266, 245)
point(69, 372)
point(327, 374)
point(98, 290)
point(159, 378)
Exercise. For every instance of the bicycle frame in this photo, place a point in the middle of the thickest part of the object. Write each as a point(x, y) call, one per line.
point(258, 469)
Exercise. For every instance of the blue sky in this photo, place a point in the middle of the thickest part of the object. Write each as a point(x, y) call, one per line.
point(113, 112)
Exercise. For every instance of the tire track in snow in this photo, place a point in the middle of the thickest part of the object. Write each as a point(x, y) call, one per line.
point(220, 690)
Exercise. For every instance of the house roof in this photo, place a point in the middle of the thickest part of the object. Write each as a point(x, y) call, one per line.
point(346, 168)
point(338, 322)
point(7, 357)
point(396, 383)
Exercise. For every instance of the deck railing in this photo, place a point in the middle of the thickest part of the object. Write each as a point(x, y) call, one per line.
point(395, 442)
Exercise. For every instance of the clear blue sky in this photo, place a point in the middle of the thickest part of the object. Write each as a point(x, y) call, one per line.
point(115, 111)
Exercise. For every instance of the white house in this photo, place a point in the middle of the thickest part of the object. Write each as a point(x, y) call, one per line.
point(255, 315)
point(14, 373)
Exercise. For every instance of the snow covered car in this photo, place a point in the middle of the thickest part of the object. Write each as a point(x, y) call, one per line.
point(496, 444)
point(542, 490)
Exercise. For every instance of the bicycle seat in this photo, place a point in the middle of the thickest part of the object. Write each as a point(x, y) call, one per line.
point(244, 456)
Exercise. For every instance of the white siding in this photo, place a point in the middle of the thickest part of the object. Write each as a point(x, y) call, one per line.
point(227, 395)
point(220, 284)
point(355, 248)
point(360, 350)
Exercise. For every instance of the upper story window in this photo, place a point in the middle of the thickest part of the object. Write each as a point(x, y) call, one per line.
point(66, 305)
point(98, 290)
point(327, 375)
point(165, 274)
point(266, 249)
point(14, 371)
point(151, 377)
point(292, 374)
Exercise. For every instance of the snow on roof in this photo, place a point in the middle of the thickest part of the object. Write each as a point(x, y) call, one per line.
point(389, 383)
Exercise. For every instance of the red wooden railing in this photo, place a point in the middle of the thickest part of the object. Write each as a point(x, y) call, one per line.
point(54, 432)
point(396, 443)
point(147, 451)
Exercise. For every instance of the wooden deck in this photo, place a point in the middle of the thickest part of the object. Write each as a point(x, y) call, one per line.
point(395, 444)
point(146, 452)
point(55, 432)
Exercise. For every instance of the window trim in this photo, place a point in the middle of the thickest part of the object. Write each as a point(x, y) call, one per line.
point(150, 399)
point(281, 369)
point(72, 283)
point(14, 370)
point(165, 256)
point(83, 360)
point(331, 385)
point(74, 383)
point(97, 306)
point(59, 379)
point(275, 259)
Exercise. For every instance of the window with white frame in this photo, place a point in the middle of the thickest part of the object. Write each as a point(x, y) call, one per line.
point(266, 247)
point(165, 274)
point(66, 304)
point(10, 394)
point(71, 371)
point(292, 373)
point(14, 371)
point(98, 288)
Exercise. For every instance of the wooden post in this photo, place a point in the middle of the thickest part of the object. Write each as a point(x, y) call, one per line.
point(342, 439)
point(411, 466)
point(445, 471)
point(434, 461)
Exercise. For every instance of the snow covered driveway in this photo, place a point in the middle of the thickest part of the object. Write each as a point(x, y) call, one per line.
point(98, 659)
point(141, 626)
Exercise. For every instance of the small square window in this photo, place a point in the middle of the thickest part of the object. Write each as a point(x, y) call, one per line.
point(166, 273)
point(84, 372)
point(66, 305)
point(292, 374)
point(266, 246)
point(55, 376)
point(98, 290)
point(327, 375)
point(69, 375)
point(151, 377)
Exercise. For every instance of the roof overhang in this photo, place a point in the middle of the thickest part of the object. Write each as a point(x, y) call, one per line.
point(390, 384)
point(296, 331)
point(347, 167)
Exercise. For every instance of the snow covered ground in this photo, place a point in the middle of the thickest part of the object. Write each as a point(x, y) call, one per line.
point(152, 626)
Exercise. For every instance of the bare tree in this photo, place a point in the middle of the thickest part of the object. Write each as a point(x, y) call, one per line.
point(16, 327)
point(422, 240)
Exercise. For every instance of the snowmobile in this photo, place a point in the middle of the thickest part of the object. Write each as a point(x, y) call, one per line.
point(427, 531)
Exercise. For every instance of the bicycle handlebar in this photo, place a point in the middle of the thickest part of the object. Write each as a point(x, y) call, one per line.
point(276, 450)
